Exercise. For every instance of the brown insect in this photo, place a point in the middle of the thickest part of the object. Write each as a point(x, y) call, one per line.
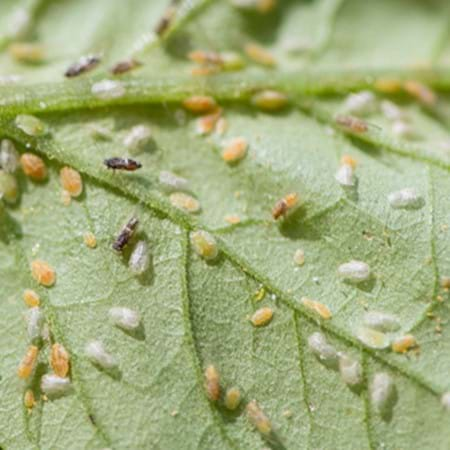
point(166, 20)
point(125, 66)
point(353, 124)
point(117, 163)
point(125, 234)
point(84, 64)
point(282, 206)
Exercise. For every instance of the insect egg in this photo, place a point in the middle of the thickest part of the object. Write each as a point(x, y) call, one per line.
point(9, 189)
point(28, 399)
point(350, 370)
point(382, 391)
point(31, 298)
point(204, 244)
point(97, 354)
point(43, 273)
point(206, 124)
point(404, 343)
point(172, 182)
point(348, 160)
point(35, 322)
point(27, 52)
point(9, 158)
point(259, 54)
point(90, 240)
point(354, 271)
point(270, 100)
point(258, 419)
point(232, 219)
point(299, 257)
point(232, 398)
point(205, 57)
point(324, 351)
point(381, 321)
point(185, 202)
point(71, 181)
point(54, 385)
point(125, 318)
point(136, 139)
point(235, 150)
point(212, 383)
point(28, 362)
point(319, 308)
point(421, 92)
point(33, 166)
point(30, 125)
point(262, 317)
point(405, 198)
point(388, 85)
point(59, 360)
point(200, 104)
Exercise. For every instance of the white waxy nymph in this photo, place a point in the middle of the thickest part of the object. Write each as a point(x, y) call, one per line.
point(344, 175)
point(405, 198)
point(125, 318)
point(35, 322)
point(140, 258)
point(324, 351)
point(172, 182)
point(30, 125)
point(350, 370)
point(108, 89)
point(54, 385)
point(391, 111)
point(9, 189)
point(96, 352)
point(9, 158)
point(360, 103)
point(372, 338)
point(403, 129)
point(445, 401)
point(382, 390)
point(354, 271)
point(136, 139)
point(381, 321)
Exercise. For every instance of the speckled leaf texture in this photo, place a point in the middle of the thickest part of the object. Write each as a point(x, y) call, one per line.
point(195, 313)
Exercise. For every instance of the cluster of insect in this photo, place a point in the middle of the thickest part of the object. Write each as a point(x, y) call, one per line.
point(378, 330)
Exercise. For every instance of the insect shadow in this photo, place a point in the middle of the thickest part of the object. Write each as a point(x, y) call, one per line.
point(294, 226)
point(114, 372)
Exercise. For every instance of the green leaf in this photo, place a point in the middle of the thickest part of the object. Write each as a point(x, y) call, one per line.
point(195, 313)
